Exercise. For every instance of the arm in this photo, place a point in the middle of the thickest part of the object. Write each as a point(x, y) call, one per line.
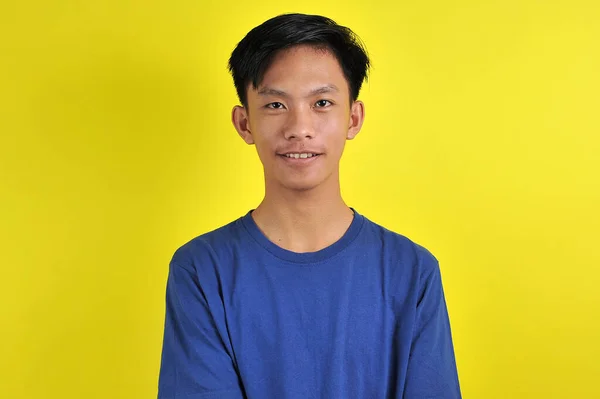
point(432, 372)
point(196, 360)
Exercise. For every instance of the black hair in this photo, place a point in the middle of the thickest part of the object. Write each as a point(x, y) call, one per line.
point(255, 52)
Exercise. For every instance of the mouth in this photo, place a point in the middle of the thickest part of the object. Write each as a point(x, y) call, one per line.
point(300, 155)
point(299, 158)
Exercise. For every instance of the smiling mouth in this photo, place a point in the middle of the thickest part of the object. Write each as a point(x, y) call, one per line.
point(300, 159)
point(302, 155)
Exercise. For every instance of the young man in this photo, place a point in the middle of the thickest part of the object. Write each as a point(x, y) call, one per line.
point(303, 297)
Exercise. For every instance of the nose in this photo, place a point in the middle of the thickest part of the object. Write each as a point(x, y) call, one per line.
point(300, 124)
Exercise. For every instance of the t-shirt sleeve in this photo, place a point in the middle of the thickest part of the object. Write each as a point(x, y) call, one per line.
point(196, 360)
point(432, 371)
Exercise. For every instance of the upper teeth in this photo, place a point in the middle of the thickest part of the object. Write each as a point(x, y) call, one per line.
point(302, 155)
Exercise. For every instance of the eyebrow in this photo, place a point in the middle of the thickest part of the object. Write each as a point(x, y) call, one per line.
point(324, 89)
point(269, 91)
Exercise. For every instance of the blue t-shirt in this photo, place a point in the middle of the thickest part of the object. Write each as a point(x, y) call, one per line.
point(363, 318)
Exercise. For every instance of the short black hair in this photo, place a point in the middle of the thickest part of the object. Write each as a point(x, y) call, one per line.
point(255, 52)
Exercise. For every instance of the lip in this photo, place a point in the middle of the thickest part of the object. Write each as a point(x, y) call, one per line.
point(299, 151)
point(299, 161)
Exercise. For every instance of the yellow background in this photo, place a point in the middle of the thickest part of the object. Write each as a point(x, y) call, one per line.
point(481, 142)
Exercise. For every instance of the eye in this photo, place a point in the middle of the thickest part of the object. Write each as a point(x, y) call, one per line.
point(322, 103)
point(275, 105)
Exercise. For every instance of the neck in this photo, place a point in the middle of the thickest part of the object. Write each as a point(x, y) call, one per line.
point(303, 221)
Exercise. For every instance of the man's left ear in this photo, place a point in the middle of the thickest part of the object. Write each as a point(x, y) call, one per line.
point(357, 116)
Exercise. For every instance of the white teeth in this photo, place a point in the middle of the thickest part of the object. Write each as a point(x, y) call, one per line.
point(303, 155)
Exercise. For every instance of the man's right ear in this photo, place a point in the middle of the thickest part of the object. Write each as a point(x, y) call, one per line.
point(239, 117)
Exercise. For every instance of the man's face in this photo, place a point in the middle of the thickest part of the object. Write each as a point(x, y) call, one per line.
point(302, 106)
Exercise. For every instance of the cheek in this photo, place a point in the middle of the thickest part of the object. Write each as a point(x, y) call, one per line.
point(269, 125)
point(335, 128)
point(265, 135)
point(337, 119)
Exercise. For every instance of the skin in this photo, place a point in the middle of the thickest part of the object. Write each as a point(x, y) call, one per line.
point(302, 105)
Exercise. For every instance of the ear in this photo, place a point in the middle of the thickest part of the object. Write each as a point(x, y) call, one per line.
point(357, 116)
point(239, 117)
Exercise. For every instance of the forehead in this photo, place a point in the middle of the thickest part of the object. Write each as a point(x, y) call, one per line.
point(303, 68)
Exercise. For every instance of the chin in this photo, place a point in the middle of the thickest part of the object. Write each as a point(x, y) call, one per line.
point(300, 184)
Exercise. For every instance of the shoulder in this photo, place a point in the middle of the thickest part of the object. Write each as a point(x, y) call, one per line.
point(207, 248)
point(398, 249)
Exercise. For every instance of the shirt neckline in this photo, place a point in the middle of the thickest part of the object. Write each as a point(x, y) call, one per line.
point(303, 257)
